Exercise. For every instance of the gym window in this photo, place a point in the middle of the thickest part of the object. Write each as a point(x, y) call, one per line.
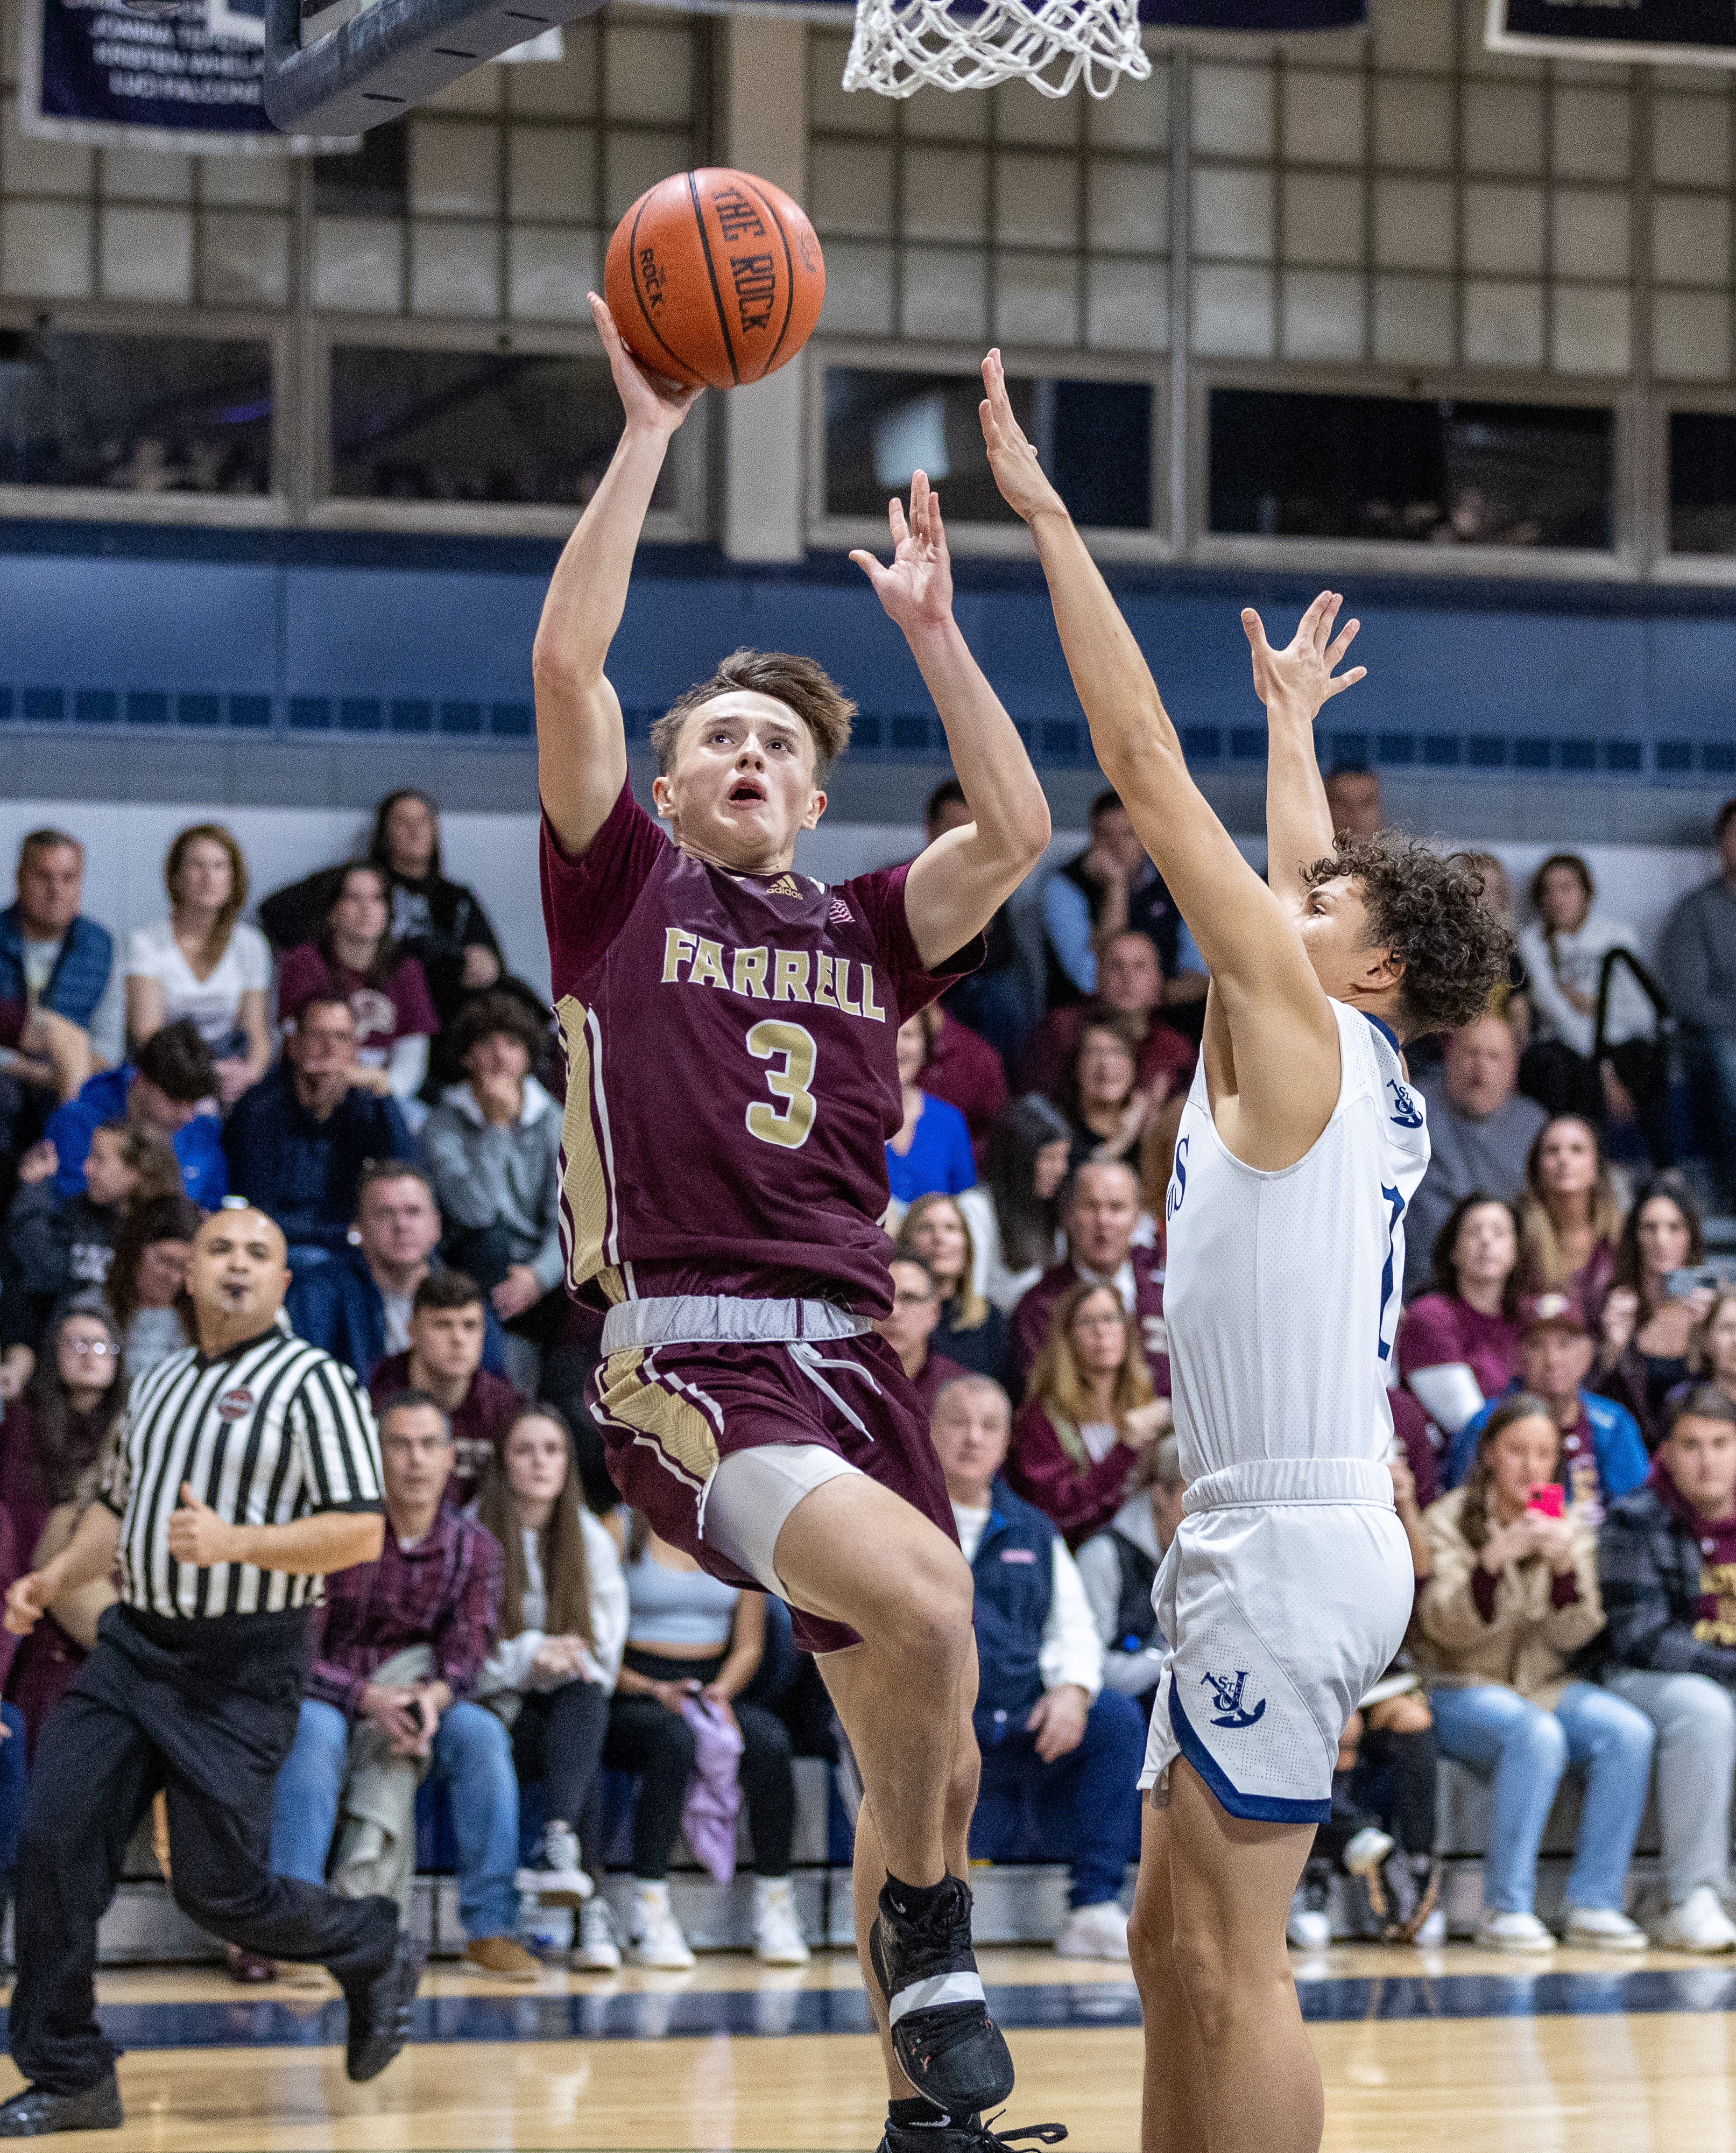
point(1292, 465)
point(1094, 438)
point(135, 415)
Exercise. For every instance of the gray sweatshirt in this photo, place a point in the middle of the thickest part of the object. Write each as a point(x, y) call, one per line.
point(485, 1175)
point(1699, 953)
point(1465, 1154)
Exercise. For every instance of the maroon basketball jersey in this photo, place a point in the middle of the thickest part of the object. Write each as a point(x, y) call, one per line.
point(731, 1079)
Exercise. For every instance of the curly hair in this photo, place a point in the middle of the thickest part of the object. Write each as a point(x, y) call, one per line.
point(1429, 909)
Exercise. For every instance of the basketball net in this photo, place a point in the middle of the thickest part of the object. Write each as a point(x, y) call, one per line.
point(900, 45)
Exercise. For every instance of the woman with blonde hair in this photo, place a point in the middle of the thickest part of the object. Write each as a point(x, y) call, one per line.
point(972, 1331)
point(1570, 1215)
point(1090, 1411)
point(204, 962)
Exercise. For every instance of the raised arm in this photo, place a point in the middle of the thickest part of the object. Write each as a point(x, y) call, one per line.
point(581, 747)
point(1294, 684)
point(1285, 1077)
point(961, 878)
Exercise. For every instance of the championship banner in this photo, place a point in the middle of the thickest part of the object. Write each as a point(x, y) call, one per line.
point(90, 71)
point(1671, 32)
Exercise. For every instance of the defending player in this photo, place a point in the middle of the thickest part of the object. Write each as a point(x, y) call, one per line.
point(1288, 1587)
point(729, 1030)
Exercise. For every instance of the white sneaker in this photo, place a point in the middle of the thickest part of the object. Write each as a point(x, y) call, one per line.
point(554, 1874)
point(1698, 1924)
point(599, 1946)
point(1310, 1925)
point(1513, 1932)
point(777, 1933)
point(1603, 1928)
point(1365, 1852)
point(654, 1936)
point(1099, 1931)
point(1433, 1934)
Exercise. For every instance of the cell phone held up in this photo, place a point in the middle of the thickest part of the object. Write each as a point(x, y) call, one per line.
point(1547, 1498)
point(1700, 1278)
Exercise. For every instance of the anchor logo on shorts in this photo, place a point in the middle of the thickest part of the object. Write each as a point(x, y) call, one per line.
point(1227, 1695)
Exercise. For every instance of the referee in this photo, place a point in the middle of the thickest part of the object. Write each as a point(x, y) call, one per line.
point(247, 1468)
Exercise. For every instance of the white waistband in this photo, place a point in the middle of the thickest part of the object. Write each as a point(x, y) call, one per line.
point(1290, 1480)
point(700, 1318)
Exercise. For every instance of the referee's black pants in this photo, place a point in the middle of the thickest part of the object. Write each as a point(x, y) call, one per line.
point(206, 1710)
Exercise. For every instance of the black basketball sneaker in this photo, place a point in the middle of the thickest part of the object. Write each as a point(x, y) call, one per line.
point(967, 2135)
point(947, 2044)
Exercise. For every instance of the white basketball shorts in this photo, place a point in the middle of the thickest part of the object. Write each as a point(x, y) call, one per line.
point(1284, 1596)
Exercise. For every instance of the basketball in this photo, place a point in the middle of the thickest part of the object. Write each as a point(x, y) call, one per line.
point(714, 277)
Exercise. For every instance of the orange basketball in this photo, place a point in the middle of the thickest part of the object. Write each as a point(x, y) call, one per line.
point(714, 277)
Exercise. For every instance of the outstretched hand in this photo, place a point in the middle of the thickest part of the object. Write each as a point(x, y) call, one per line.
point(916, 590)
point(1303, 672)
point(1020, 477)
point(649, 400)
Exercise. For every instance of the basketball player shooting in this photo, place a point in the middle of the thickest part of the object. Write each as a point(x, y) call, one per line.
point(1288, 1587)
point(728, 1026)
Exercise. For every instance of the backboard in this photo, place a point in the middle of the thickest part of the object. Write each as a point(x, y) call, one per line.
point(389, 55)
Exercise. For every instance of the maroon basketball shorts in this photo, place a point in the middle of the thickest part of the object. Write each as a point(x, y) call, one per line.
point(717, 1438)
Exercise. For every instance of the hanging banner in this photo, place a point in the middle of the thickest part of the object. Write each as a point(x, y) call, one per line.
point(91, 72)
point(1671, 32)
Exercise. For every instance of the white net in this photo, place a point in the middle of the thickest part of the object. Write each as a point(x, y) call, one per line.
point(900, 45)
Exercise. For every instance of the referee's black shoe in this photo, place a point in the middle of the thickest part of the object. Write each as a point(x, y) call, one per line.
point(947, 2044)
point(380, 2010)
point(36, 2111)
point(968, 2134)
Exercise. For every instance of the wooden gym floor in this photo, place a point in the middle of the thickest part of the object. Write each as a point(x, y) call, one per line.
point(1458, 2050)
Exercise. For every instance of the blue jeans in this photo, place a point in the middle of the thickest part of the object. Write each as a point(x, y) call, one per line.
point(12, 1794)
point(1083, 1808)
point(1526, 1750)
point(472, 1754)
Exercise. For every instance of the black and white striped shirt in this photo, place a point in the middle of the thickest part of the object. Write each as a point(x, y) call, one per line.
point(272, 1430)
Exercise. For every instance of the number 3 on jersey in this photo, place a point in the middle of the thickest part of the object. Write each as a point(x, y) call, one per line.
point(790, 1083)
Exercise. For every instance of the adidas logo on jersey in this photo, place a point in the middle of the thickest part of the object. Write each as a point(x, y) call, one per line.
point(841, 915)
point(786, 885)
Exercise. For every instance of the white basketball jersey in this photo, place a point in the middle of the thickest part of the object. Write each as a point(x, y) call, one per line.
point(1282, 1290)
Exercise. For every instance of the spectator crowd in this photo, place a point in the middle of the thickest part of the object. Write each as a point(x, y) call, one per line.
point(526, 1661)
